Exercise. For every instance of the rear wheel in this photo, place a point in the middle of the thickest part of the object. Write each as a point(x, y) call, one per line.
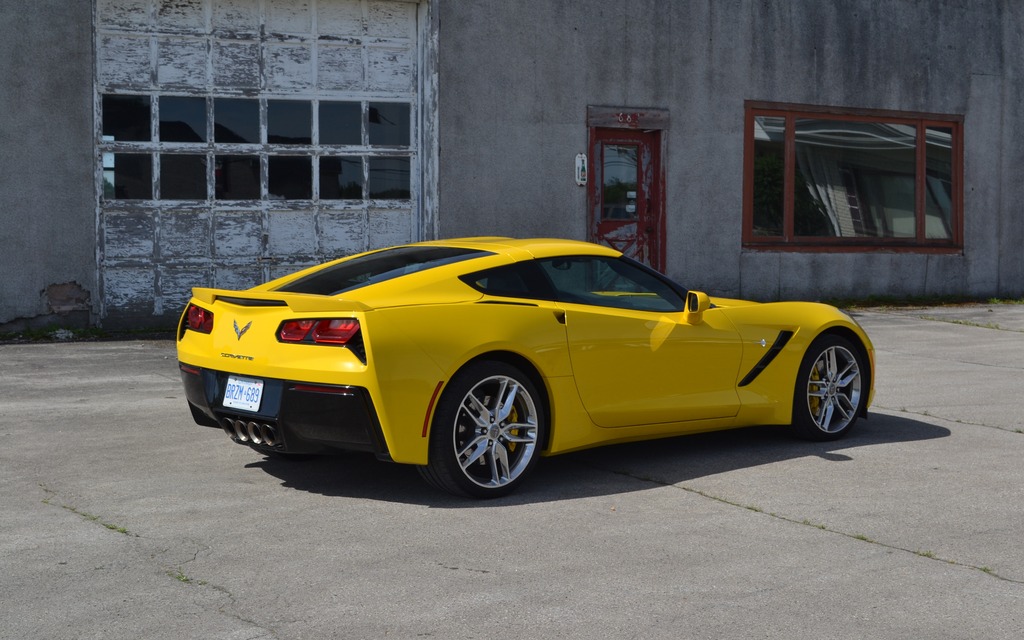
point(829, 389)
point(487, 431)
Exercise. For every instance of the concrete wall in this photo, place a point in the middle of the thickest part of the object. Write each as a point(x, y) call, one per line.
point(516, 78)
point(513, 82)
point(47, 206)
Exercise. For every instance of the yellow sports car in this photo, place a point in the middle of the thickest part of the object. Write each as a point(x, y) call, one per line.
point(472, 358)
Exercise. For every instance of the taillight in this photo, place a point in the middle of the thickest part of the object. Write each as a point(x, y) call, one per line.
point(337, 331)
point(199, 319)
point(295, 330)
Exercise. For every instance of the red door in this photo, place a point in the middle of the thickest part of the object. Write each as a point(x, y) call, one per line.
point(626, 193)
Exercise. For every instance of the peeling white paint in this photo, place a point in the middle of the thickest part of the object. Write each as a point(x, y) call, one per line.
point(152, 252)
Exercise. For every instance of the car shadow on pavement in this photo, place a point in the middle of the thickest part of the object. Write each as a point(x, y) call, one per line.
point(608, 470)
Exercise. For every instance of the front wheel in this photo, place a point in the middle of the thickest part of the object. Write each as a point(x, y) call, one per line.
point(487, 431)
point(830, 389)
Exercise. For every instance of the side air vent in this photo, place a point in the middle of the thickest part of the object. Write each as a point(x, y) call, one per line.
point(762, 364)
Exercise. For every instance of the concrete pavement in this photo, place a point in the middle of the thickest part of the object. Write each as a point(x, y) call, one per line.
point(123, 519)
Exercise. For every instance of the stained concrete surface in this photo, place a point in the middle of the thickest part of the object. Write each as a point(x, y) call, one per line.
point(123, 519)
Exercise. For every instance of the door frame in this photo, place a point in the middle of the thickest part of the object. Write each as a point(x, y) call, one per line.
point(647, 120)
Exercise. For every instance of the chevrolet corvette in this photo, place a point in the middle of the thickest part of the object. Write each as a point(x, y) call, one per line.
point(472, 358)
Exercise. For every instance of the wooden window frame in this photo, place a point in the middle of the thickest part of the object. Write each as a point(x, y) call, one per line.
point(789, 241)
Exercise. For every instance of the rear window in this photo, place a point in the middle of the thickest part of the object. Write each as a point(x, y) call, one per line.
point(378, 267)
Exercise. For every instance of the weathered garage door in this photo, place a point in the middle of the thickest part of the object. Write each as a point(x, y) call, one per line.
point(240, 140)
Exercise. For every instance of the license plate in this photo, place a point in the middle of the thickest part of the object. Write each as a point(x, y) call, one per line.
point(243, 393)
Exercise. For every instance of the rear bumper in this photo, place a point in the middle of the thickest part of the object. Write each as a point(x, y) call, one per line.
point(294, 417)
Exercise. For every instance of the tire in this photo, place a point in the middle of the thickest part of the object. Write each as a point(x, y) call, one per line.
point(487, 432)
point(830, 389)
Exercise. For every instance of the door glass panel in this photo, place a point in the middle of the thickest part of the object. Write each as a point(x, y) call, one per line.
point(289, 122)
point(341, 123)
point(769, 174)
point(126, 118)
point(341, 178)
point(182, 176)
point(237, 177)
point(389, 123)
point(182, 119)
point(619, 189)
point(129, 176)
point(608, 282)
point(389, 178)
point(290, 177)
point(236, 120)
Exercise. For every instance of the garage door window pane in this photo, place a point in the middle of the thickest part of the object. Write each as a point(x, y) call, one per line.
point(182, 177)
point(182, 119)
point(341, 178)
point(130, 177)
point(341, 123)
point(389, 124)
point(126, 118)
point(289, 122)
point(389, 178)
point(236, 120)
point(290, 177)
point(237, 177)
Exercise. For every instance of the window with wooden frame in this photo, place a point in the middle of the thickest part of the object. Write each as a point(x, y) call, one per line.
point(853, 180)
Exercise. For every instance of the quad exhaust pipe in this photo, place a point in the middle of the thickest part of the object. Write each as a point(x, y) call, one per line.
point(250, 431)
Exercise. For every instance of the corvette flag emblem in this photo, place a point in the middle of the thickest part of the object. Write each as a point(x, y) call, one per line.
point(241, 332)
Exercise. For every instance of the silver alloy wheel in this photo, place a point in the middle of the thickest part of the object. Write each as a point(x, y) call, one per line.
point(833, 389)
point(495, 431)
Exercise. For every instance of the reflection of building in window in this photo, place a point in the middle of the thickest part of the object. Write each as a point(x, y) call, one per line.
point(873, 178)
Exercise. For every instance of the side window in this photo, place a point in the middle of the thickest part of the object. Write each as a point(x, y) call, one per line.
point(520, 280)
point(610, 282)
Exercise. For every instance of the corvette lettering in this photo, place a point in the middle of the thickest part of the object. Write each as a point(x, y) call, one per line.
point(235, 356)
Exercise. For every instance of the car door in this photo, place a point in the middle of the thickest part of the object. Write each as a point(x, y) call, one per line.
point(634, 357)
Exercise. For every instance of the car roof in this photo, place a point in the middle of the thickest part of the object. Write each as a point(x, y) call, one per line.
point(441, 283)
point(526, 248)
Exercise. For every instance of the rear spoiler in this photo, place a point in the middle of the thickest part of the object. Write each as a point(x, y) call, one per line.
point(298, 302)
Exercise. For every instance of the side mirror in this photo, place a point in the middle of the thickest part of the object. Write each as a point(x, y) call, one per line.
point(697, 302)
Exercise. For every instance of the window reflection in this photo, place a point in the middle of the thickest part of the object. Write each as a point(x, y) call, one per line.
point(620, 170)
point(290, 177)
point(859, 177)
point(341, 178)
point(388, 123)
point(182, 176)
point(769, 175)
point(872, 178)
point(236, 120)
point(341, 123)
point(126, 118)
point(289, 122)
point(182, 119)
point(939, 183)
point(237, 177)
point(389, 179)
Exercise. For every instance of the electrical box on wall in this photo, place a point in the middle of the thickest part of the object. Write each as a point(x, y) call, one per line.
point(581, 169)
